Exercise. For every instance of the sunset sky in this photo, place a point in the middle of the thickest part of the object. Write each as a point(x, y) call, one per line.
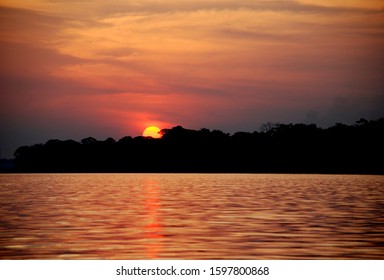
point(73, 69)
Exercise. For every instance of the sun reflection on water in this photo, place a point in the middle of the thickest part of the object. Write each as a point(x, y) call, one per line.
point(152, 227)
point(191, 216)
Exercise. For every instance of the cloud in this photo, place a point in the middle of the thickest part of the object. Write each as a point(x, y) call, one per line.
point(26, 26)
point(99, 7)
point(96, 68)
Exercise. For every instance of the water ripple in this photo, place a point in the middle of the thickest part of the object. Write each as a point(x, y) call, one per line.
point(191, 216)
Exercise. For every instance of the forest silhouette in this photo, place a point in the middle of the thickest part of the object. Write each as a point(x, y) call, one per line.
point(276, 148)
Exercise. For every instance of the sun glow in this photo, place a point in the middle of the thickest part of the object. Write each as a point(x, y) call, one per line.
point(152, 131)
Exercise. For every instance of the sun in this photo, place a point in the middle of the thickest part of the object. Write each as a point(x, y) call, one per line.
point(152, 131)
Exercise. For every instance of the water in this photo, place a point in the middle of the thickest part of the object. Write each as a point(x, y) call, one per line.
point(191, 216)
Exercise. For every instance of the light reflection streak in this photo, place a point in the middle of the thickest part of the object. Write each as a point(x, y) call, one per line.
point(191, 216)
point(152, 225)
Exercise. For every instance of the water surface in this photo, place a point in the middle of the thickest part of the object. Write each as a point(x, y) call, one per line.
point(191, 216)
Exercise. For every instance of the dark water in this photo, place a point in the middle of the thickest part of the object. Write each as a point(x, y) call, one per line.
point(191, 216)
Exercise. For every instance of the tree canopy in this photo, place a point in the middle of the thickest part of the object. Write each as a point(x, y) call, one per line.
point(286, 148)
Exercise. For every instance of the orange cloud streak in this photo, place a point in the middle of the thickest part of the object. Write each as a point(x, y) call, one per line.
point(121, 66)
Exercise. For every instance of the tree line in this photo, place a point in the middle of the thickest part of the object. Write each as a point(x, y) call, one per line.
point(282, 148)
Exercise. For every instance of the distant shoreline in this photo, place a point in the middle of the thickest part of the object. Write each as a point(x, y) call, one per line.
point(279, 148)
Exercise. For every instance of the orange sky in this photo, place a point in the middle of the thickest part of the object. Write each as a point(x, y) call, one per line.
point(73, 69)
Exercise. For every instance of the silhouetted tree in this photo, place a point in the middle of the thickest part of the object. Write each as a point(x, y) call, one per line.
point(276, 148)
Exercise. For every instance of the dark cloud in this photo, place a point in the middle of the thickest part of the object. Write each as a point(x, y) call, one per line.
point(102, 8)
point(189, 5)
point(23, 25)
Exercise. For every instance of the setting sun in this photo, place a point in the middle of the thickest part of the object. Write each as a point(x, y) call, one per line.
point(152, 131)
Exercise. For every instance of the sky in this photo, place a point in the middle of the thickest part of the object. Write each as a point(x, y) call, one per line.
point(74, 69)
